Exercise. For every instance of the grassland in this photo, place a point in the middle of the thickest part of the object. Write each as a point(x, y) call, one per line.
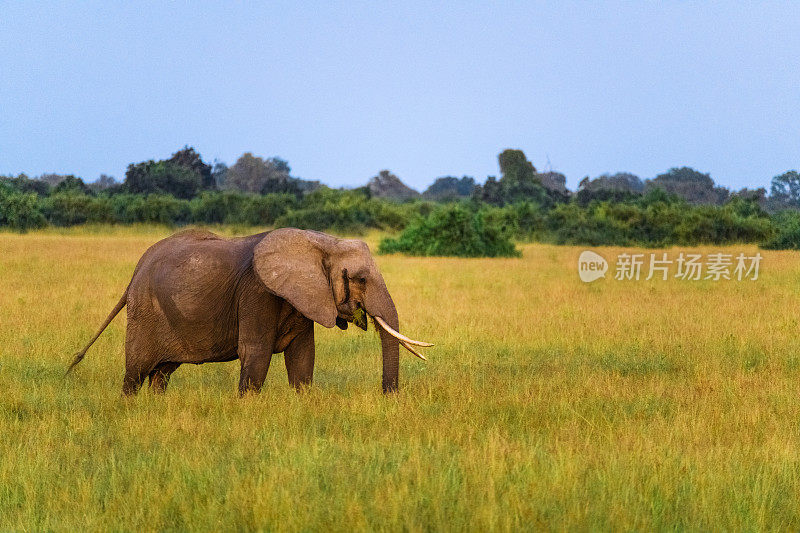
point(547, 403)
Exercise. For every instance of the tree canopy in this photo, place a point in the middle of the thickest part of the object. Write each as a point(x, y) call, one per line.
point(691, 185)
point(72, 184)
point(518, 183)
point(183, 175)
point(165, 177)
point(785, 189)
point(450, 188)
point(188, 158)
point(254, 174)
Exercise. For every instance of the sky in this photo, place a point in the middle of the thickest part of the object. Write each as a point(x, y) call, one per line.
point(343, 90)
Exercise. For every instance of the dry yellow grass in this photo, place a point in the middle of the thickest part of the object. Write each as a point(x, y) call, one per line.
point(547, 402)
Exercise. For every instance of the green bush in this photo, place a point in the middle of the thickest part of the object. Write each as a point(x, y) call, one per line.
point(594, 226)
point(262, 210)
point(214, 208)
point(22, 183)
point(163, 178)
point(72, 184)
point(710, 225)
point(786, 236)
point(348, 211)
point(455, 230)
point(656, 220)
point(393, 216)
point(158, 208)
point(528, 219)
point(653, 219)
point(69, 209)
point(323, 209)
point(20, 211)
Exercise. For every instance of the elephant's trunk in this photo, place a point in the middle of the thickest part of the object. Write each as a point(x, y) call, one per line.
point(390, 348)
point(379, 304)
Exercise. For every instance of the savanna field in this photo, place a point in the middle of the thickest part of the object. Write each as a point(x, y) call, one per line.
point(546, 403)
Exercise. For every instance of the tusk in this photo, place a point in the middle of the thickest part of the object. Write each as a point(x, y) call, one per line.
point(412, 350)
point(398, 335)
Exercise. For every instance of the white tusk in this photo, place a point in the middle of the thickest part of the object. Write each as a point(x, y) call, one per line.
point(398, 335)
point(412, 350)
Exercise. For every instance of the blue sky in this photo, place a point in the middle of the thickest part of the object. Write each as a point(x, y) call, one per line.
point(344, 90)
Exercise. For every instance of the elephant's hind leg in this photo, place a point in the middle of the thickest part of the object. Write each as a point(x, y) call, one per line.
point(159, 377)
point(132, 382)
point(141, 359)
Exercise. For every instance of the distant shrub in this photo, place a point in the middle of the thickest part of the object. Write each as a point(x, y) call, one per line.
point(521, 183)
point(525, 220)
point(22, 183)
point(324, 218)
point(657, 219)
point(158, 208)
point(730, 224)
point(394, 216)
point(455, 230)
point(20, 211)
point(72, 184)
point(343, 211)
point(162, 178)
point(215, 208)
point(262, 210)
point(348, 211)
point(69, 209)
point(450, 188)
point(786, 225)
point(570, 224)
point(585, 196)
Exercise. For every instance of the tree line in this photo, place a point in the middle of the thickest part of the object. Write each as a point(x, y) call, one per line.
point(679, 206)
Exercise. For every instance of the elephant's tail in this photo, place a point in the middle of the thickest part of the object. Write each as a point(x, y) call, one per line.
point(117, 308)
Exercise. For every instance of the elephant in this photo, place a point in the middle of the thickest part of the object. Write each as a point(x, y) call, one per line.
point(196, 297)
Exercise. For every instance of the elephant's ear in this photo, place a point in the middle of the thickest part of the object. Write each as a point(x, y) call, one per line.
point(290, 262)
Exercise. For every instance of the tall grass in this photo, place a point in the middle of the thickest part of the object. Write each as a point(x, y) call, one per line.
point(546, 403)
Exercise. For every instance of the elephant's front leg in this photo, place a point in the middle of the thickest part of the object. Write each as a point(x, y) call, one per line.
point(299, 357)
point(257, 328)
point(254, 359)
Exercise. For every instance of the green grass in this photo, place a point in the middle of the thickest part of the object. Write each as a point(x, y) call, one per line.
point(546, 403)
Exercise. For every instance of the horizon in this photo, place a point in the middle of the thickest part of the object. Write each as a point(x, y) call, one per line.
point(342, 92)
point(420, 190)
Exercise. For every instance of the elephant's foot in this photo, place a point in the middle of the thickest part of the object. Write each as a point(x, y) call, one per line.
point(132, 381)
point(159, 378)
point(253, 372)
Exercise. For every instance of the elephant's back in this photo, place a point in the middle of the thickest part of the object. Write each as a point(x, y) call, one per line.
point(188, 281)
point(191, 263)
point(200, 248)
